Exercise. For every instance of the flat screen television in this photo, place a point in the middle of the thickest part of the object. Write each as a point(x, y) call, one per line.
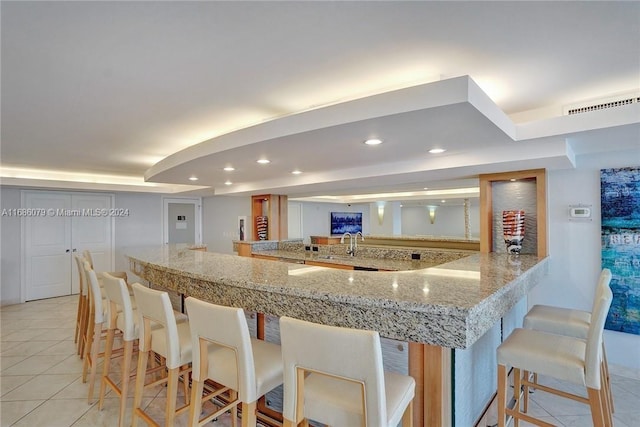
point(343, 222)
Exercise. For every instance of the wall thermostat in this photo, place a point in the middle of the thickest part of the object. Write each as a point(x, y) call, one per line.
point(579, 212)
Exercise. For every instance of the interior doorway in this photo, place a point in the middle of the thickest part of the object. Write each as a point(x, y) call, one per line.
point(294, 218)
point(182, 220)
point(64, 224)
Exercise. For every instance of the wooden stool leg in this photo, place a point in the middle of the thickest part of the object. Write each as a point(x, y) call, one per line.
point(108, 349)
point(185, 387)
point(196, 402)
point(407, 417)
point(606, 405)
point(84, 326)
point(95, 349)
point(249, 414)
point(233, 395)
point(88, 340)
point(172, 395)
point(595, 402)
point(126, 376)
point(608, 377)
point(517, 392)
point(76, 335)
point(502, 395)
point(141, 371)
point(525, 391)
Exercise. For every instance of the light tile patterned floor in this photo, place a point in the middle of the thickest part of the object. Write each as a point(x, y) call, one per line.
point(40, 378)
point(40, 373)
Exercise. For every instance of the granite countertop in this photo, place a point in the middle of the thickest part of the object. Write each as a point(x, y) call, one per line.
point(356, 261)
point(451, 305)
point(417, 237)
point(423, 238)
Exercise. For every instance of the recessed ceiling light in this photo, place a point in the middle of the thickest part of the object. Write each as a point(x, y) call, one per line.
point(228, 182)
point(373, 142)
point(263, 161)
point(296, 172)
point(437, 150)
point(229, 168)
point(193, 178)
point(512, 180)
point(443, 201)
point(425, 188)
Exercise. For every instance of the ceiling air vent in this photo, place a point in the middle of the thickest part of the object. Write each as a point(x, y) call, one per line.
point(601, 105)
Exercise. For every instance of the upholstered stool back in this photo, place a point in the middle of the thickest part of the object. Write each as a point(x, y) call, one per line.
point(160, 333)
point(347, 384)
point(223, 351)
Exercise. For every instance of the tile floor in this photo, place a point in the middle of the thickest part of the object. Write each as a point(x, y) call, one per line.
point(40, 373)
point(40, 378)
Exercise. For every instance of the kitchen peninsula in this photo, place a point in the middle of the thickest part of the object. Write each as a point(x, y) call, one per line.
point(440, 310)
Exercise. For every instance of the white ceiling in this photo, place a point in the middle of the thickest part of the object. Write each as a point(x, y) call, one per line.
point(98, 95)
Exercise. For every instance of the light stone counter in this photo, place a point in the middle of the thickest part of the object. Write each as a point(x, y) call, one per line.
point(451, 305)
point(355, 261)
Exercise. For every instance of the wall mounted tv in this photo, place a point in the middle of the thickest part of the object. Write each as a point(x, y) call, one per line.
point(343, 222)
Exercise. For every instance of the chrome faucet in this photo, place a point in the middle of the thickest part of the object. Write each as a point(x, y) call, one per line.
point(350, 249)
point(353, 242)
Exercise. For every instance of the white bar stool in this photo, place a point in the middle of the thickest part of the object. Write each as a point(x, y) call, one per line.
point(565, 358)
point(335, 376)
point(571, 323)
point(171, 340)
point(94, 333)
point(123, 318)
point(119, 274)
point(224, 352)
point(83, 307)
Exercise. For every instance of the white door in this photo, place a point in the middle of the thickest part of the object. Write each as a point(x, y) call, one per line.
point(182, 220)
point(65, 224)
point(294, 217)
point(93, 232)
point(47, 243)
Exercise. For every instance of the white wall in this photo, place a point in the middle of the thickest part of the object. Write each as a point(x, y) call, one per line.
point(10, 250)
point(574, 247)
point(391, 220)
point(142, 227)
point(449, 221)
point(220, 221)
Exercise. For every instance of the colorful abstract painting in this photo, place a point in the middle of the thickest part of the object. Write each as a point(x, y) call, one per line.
point(620, 197)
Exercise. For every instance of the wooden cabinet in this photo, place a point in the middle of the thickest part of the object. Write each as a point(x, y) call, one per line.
point(244, 249)
point(325, 240)
point(272, 209)
point(487, 200)
point(329, 264)
point(271, 258)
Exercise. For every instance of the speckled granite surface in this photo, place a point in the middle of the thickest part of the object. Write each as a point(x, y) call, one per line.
point(380, 258)
point(423, 238)
point(450, 305)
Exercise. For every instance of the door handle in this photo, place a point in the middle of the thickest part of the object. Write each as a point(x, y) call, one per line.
point(74, 249)
point(68, 250)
